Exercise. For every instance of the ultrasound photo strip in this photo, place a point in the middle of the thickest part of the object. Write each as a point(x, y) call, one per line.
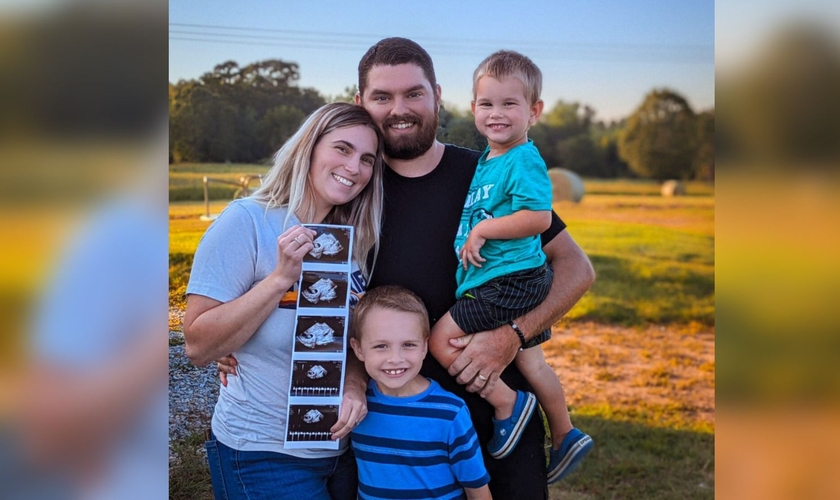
point(320, 378)
point(332, 245)
point(320, 334)
point(311, 423)
point(319, 340)
point(324, 289)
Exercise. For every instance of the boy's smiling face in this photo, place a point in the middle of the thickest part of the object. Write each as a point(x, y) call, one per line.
point(392, 345)
point(502, 113)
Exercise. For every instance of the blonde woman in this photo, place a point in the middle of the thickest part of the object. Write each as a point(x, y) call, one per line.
point(329, 172)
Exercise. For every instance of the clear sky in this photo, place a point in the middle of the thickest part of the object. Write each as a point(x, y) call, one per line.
point(606, 54)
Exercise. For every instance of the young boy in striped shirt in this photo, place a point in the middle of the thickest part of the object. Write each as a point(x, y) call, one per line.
point(417, 440)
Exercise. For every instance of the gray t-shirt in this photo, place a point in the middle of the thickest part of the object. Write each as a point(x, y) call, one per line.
point(238, 251)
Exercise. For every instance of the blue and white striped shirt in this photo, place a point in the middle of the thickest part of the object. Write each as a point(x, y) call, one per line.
point(417, 447)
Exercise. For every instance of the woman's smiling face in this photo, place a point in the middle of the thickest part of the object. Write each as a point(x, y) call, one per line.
point(342, 165)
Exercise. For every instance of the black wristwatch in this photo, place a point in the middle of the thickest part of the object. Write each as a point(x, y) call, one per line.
point(519, 333)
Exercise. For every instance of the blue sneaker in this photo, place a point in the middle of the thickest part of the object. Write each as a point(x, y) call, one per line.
point(574, 447)
point(506, 433)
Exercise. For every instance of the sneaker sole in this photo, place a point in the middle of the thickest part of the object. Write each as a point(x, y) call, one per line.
point(513, 440)
point(572, 460)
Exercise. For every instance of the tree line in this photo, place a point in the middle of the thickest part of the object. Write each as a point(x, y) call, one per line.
point(244, 114)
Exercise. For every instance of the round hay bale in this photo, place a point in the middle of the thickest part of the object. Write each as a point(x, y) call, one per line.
point(673, 188)
point(566, 185)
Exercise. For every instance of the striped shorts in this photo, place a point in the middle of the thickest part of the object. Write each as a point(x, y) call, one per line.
point(504, 299)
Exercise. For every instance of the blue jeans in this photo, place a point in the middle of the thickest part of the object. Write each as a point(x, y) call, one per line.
point(254, 475)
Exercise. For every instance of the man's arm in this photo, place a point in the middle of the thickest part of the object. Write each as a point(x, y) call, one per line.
point(490, 352)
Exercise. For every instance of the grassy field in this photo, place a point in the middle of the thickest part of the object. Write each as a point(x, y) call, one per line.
point(186, 181)
point(636, 355)
point(654, 256)
point(646, 395)
point(644, 187)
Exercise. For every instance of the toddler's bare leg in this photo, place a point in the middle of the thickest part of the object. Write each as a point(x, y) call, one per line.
point(502, 398)
point(531, 362)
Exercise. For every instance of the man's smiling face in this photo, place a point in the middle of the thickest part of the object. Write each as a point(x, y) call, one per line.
point(404, 105)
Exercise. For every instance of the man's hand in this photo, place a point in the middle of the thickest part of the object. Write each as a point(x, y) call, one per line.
point(486, 354)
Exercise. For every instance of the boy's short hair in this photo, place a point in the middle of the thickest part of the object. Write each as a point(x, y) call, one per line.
point(392, 52)
point(395, 298)
point(507, 63)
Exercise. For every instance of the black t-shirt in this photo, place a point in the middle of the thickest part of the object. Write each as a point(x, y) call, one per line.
point(421, 217)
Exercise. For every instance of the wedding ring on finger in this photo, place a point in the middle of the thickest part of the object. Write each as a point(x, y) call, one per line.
point(300, 243)
point(482, 378)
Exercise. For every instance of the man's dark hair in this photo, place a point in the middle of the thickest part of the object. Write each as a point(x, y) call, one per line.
point(394, 51)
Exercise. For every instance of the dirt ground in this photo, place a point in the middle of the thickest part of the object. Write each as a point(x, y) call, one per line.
point(665, 372)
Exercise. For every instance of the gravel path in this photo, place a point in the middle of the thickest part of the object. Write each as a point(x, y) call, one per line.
point(192, 393)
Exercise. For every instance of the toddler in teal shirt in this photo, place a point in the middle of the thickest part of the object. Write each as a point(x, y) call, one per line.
point(504, 272)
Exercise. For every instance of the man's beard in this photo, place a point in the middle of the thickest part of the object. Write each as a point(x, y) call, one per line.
point(409, 147)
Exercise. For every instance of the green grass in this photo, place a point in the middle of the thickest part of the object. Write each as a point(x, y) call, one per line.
point(217, 168)
point(189, 479)
point(185, 234)
point(185, 231)
point(186, 181)
point(646, 187)
point(632, 460)
point(646, 274)
point(653, 256)
point(635, 457)
point(185, 226)
point(179, 274)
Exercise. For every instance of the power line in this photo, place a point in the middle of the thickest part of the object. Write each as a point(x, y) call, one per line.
point(301, 44)
point(225, 36)
point(459, 41)
point(268, 30)
point(446, 46)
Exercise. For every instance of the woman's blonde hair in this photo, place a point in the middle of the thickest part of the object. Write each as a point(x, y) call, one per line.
point(287, 183)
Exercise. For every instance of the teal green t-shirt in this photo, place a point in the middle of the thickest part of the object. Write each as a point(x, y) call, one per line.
point(517, 180)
